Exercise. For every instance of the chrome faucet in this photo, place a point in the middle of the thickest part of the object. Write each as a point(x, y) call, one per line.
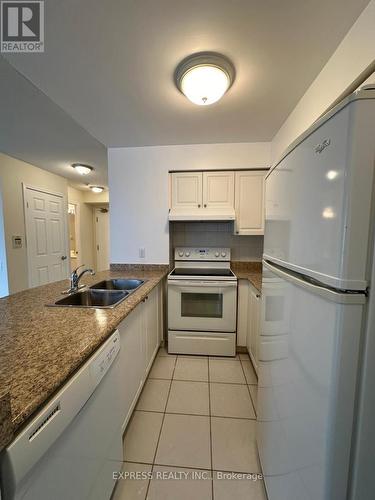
point(75, 279)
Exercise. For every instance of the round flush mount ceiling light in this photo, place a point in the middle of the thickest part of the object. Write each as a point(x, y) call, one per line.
point(97, 189)
point(204, 77)
point(82, 169)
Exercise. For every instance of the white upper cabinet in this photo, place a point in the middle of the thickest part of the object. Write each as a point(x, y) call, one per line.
point(187, 191)
point(218, 190)
point(220, 195)
point(249, 202)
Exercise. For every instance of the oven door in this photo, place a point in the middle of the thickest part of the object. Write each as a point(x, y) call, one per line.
point(203, 306)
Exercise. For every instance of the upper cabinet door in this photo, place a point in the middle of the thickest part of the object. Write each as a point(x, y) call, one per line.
point(249, 202)
point(186, 190)
point(218, 190)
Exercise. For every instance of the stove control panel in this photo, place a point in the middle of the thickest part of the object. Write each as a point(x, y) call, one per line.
point(202, 253)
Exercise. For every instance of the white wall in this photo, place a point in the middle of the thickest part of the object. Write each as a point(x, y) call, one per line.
point(3, 258)
point(138, 186)
point(12, 174)
point(90, 197)
point(354, 54)
point(138, 177)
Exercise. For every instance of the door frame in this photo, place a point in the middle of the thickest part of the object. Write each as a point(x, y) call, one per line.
point(95, 208)
point(78, 231)
point(25, 187)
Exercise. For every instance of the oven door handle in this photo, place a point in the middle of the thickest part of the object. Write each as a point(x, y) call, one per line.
point(216, 284)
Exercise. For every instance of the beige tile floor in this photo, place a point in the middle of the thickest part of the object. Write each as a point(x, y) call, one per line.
point(195, 417)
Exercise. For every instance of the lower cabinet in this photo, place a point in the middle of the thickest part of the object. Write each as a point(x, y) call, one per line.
point(140, 334)
point(253, 325)
point(131, 361)
point(243, 309)
point(248, 322)
point(150, 328)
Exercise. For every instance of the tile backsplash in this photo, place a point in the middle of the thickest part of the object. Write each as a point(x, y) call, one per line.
point(216, 234)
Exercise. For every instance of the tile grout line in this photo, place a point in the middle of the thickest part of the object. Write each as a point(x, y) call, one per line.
point(164, 413)
point(248, 389)
point(256, 417)
point(196, 414)
point(161, 427)
point(254, 385)
point(210, 426)
point(174, 466)
point(213, 382)
point(252, 402)
point(203, 381)
point(124, 461)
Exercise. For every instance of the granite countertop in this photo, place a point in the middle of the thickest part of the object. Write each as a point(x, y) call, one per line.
point(251, 271)
point(40, 347)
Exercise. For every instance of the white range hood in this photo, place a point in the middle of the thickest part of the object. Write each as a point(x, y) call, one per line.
point(202, 215)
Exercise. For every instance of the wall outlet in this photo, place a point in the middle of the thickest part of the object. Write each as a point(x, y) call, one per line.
point(142, 252)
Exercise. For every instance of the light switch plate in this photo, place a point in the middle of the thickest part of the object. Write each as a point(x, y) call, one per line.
point(17, 241)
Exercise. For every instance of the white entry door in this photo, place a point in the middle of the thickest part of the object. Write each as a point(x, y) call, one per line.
point(46, 237)
point(102, 239)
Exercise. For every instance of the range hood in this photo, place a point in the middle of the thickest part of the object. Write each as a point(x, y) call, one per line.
point(202, 215)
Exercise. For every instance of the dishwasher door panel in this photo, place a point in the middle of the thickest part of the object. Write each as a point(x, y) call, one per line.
point(79, 463)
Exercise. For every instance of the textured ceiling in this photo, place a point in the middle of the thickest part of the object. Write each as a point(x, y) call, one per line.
point(109, 64)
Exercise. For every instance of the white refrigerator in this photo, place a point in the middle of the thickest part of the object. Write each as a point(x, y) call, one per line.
point(316, 352)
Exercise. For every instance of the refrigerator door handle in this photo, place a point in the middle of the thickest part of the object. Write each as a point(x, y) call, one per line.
point(338, 296)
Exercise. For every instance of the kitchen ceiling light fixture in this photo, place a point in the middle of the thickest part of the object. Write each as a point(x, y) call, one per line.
point(204, 77)
point(97, 189)
point(82, 169)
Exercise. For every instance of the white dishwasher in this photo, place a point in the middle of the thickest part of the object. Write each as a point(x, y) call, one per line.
point(73, 445)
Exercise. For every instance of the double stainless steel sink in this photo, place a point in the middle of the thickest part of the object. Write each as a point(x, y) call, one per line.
point(118, 284)
point(106, 294)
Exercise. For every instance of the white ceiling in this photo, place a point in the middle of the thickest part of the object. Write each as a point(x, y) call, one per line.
point(109, 64)
point(34, 129)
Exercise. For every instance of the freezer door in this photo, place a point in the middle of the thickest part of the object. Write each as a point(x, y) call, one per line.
point(307, 380)
point(318, 200)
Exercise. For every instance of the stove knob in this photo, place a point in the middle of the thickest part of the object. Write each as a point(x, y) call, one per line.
point(181, 254)
point(187, 254)
point(217, 254)
point(223, 254)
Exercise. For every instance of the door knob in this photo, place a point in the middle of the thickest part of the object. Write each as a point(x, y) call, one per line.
point(64, 257)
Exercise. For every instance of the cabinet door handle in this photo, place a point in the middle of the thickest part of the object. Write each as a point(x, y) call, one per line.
point(199, 206)
point(205, 206)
